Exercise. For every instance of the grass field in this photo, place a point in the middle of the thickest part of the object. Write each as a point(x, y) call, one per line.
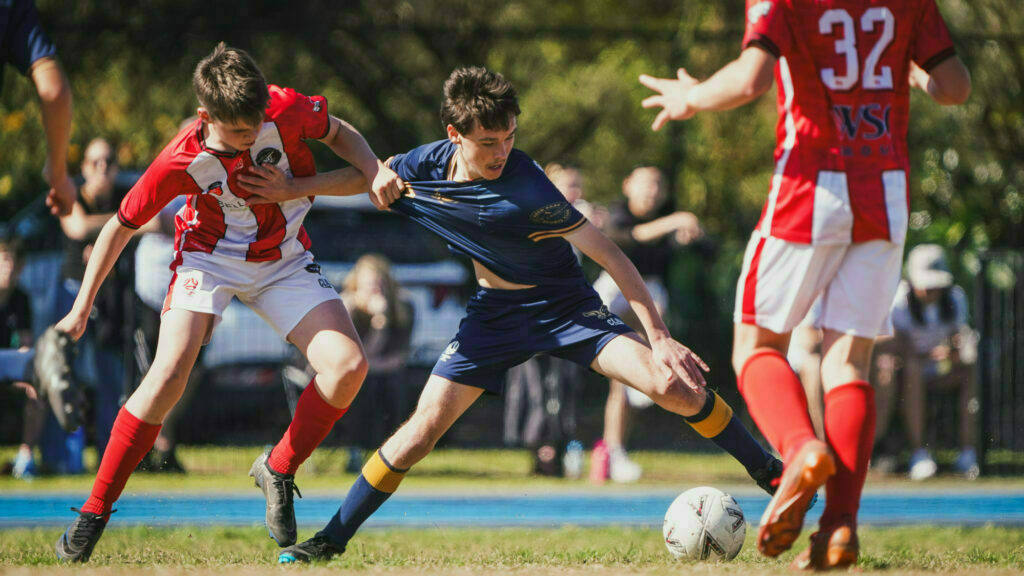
point(134, 550)
point(500, 551)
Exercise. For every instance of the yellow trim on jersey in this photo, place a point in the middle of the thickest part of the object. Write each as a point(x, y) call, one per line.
point(545, 234)
point(379, 475)
point(715, 422)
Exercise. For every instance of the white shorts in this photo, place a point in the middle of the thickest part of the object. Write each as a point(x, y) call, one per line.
point(282, 292)
point(856, 282)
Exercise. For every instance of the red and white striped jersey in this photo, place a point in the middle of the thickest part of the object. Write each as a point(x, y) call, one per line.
point(216, 220)
point(841, 163)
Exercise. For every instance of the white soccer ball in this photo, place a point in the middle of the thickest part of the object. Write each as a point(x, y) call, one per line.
point(704, 523)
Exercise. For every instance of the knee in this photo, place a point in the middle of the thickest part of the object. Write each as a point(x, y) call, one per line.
point(344, 374)
point(165, 381)
point(677, 397)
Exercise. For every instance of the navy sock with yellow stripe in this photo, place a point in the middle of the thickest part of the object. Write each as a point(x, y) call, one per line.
point(716, 421)
point(372, 488)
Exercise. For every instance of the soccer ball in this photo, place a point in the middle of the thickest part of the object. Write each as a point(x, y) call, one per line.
point(704, 523)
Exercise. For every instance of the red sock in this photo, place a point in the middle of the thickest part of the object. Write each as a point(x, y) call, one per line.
point(850, 429)
point(130, 440)
point(313, 419)
point(776, 401)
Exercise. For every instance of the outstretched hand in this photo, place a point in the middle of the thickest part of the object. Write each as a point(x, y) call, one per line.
point(671, 97)
point(678, 361)
point(268, 184)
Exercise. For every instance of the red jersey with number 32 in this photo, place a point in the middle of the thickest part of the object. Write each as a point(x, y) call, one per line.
point(841, 162)
point(216, 220)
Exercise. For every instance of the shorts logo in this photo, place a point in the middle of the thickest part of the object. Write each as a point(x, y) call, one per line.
point(268, 156)
point(190, 285)
point(604, 314)
point(452, 348)
point(313, 268)
point(215, 188)
point(552, 214)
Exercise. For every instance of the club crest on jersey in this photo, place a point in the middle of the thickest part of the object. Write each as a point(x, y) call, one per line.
point(216, 188)
point(316, 104)
point(452, 348)
point(758, 11)
point(268, 156)
point(605, 314)
point(552, 214)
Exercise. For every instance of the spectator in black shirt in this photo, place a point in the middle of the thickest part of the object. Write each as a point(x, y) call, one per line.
point(647, 228)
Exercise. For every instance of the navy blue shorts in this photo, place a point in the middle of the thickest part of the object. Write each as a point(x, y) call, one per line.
point(503, 328)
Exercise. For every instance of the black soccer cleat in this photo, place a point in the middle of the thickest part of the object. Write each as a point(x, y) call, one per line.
point(317, 549)
point(52, 366)
point(278, 490)
point(767, 478)
point(77, 542)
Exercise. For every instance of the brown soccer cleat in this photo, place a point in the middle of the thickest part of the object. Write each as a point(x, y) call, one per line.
point(829, 550)
point(784, 517)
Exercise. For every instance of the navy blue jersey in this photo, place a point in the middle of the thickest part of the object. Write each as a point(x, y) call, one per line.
point(22, 40)
point(513, 225)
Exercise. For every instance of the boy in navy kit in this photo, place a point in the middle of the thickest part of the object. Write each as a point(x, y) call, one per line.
point(495, 205)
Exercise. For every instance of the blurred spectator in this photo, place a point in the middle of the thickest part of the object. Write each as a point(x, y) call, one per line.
point(16, 333)
point(99, 363)
point(383, 320)
point(540, 395)
point(26, 47)
point(938, 351)
point(647, 227)
point(569, 181)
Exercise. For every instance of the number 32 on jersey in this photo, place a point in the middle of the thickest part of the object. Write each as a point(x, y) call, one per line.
point(838, 22)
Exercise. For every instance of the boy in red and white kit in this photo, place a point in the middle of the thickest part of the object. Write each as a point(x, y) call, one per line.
point(223, 249)
point(834, 225)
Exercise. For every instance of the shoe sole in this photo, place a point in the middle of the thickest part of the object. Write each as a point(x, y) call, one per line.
point(784, 517)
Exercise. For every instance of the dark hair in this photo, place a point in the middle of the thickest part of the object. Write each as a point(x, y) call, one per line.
point(476, 94)
point(15, 247)
point(230, 86)
point(947, 310)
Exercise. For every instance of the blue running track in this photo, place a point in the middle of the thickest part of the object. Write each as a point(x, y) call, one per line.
point(639, 509)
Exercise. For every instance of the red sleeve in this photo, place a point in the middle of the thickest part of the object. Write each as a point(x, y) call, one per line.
point(766, 27)
point(933, 43)
point(307, 113)
point(160, 184)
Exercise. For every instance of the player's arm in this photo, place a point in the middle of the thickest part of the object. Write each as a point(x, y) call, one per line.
point(349, 144)
point(949, 83)
point(109, 245)
point(676, 358)
point(735, 84)
point(270, 185)
point(54, 92)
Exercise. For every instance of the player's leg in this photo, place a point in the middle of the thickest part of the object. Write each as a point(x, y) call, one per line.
point(440, 405)
point(182, 333)
point(628, 359)
point(856, 309)
point(310, 313)
point(777, 286)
